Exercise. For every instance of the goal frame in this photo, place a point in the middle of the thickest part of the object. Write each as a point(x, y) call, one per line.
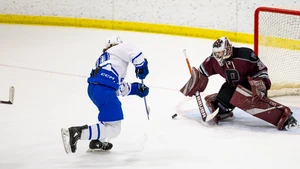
point(274, 92)
point(256, 21)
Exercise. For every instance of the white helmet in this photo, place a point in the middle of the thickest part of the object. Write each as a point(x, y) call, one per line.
point(111, 41)
point(222, 45)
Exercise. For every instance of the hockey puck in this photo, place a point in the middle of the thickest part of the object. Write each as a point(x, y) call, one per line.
point(174, 116)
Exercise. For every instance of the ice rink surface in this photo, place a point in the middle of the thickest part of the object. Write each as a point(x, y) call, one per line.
point(48, 66)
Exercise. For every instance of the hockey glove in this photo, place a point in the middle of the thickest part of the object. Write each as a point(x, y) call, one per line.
point(139, 89)
point(142, 71)
point(258, 88)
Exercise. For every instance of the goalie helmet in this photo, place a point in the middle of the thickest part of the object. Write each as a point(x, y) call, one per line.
point(222, 49)
point(111, 41)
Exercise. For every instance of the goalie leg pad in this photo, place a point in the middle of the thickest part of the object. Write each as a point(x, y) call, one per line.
point(211, 102)
point(285, 115)
point(197, 82)
point(265, 109)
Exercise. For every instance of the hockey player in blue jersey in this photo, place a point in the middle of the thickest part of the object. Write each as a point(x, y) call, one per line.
point(105, 84)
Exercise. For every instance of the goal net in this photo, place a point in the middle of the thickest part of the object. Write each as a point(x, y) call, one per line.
point(277, 44)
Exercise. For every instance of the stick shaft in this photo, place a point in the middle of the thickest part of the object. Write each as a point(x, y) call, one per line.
point(145, 102)
point(187, 61)
point(198, 96)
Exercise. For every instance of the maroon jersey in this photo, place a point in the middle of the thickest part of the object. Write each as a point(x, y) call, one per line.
point(242, 63)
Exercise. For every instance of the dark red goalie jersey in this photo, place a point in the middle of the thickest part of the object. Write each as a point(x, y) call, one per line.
point(242, 63)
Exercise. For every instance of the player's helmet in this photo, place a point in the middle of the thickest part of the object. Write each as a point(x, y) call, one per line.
point(222, 49)
point(111, 41)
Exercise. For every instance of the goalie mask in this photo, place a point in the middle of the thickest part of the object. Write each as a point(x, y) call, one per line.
point(112, 41)
point(222, 49)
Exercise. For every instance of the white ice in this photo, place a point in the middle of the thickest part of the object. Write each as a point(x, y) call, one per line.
point(48, 66)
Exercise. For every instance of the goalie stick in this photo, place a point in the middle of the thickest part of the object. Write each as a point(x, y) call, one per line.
point(205, 117)
point(10, 96)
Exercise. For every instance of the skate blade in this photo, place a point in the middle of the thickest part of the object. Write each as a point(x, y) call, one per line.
point(96, 150)
point(293, 128)
point(65, 135)
point(212, 115)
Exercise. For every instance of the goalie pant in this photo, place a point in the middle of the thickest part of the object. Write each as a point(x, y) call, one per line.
point(265, 109)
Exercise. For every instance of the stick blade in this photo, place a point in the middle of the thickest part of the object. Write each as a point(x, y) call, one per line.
point(11, 94)
point(211, 116)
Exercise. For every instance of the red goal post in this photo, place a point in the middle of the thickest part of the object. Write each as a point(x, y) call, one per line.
point(277, 44)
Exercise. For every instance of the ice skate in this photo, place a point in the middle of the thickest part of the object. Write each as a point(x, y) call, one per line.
point(290, 123)
point(97, 145)
point(223, 113)
point(70, 137)
point(221, 116)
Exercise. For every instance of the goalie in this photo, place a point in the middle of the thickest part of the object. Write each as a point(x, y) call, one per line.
point(246, 86)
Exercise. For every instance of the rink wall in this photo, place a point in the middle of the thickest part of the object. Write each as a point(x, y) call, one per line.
point(205, 19)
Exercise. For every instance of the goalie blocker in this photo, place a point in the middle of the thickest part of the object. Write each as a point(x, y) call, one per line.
point(265, 109)
point(197, 82)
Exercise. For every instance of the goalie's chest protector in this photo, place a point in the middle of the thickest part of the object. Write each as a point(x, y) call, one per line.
point(235, 71)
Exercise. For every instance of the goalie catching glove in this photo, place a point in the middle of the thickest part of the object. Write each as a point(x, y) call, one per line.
point(258, 88)
point(197, 82)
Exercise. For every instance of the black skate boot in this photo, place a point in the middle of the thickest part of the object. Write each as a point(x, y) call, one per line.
point(212, 104)
point(222, 115)
point(75, 135)
point(98, 145)
point(290, 122)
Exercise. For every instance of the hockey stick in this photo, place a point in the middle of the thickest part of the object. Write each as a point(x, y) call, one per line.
point(10, 96)
point(145, 101)
point(205, 117)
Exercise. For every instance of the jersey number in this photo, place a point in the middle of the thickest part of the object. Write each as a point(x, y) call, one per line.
point(104, 57)
point(260, 65)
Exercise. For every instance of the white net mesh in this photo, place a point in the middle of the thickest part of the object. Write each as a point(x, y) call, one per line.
point(279, 49)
